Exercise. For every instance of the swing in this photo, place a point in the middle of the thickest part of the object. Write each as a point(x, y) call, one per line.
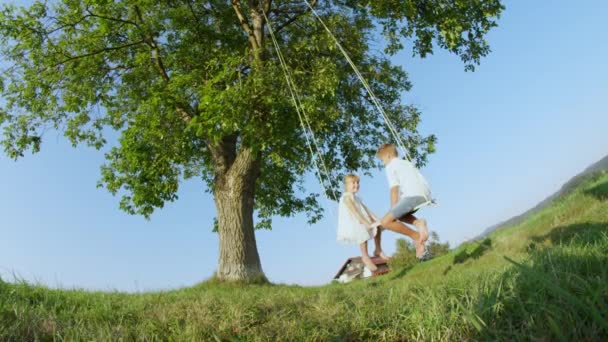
point(309, 134)
point(353, 268)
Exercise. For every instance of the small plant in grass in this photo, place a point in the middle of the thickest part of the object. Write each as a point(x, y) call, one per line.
point(405, 255)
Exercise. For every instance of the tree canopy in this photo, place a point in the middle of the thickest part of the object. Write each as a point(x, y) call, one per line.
point(194, 89)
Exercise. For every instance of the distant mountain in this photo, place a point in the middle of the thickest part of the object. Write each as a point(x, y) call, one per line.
point(567, 187)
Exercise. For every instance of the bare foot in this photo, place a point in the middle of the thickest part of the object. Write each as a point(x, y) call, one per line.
point(382, 255)
point(368, 263)
point(423, 230)
point(420, 249)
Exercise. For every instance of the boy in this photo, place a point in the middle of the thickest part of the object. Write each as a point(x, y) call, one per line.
point(409, 191)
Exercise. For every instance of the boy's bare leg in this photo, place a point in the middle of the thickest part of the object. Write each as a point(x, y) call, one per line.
point(422, 229)
point(366, 259)
point(418, 223)
point(378, 246)
point(390, 222)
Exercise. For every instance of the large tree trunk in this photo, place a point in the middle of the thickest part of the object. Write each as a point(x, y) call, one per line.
point(234, 199)
point(235, 178)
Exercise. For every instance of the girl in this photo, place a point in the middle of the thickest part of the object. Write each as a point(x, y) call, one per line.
point(356, 223)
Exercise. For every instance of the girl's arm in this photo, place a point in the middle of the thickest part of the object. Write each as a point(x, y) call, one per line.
point(370, 213)
point(376, 219)
point(350, 205)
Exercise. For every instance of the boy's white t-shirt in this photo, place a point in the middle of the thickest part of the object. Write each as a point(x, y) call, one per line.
point(404, 174)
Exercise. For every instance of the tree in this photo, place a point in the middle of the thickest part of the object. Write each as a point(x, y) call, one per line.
point(195, 90)
point(435, 247)
point(404, 256)
point(405, 253)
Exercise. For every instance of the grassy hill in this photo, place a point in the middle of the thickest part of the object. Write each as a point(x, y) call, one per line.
point(543, 279)
point(570, 185)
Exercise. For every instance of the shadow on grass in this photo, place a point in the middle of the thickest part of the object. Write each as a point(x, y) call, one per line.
point(599, 191)
point(465, 255)
point(402, 272)
point(558, 293)
point(578, 234)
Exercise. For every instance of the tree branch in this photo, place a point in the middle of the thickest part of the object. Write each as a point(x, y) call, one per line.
point(156, 56)
point(155, 50)
point(119, 20)
point(62, 26)
point(96, 52)
point(236, 4)
point(294, 17)
point(195, 15)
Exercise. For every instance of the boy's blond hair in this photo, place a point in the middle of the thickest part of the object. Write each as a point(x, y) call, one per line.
point(387, 150)
point(349, 177)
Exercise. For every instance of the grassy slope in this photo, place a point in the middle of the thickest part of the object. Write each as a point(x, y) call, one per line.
point(553, 289)
point(570, 185)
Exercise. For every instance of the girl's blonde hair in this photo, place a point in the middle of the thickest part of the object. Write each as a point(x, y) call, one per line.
point(349, 177)
point(387, 149)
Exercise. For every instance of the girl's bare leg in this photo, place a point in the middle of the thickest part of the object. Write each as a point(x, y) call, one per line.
point(366, 259)
point(378, 246)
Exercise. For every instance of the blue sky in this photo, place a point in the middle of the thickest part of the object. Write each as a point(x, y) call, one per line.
point(531, 116)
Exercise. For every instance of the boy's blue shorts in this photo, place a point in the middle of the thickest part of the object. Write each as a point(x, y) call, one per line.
point(407, 205)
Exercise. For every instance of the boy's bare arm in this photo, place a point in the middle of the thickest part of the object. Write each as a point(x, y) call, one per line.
point(351, 207)
point(394, 195)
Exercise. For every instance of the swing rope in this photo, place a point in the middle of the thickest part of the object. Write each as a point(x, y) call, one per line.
point(303, 117)
point(375, 101)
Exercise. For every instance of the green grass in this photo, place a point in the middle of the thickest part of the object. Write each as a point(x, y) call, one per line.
point(544, 279)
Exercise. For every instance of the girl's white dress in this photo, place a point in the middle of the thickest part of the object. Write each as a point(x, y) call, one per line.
point(350, 230)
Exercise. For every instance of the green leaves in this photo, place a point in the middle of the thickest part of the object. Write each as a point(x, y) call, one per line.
point(457, 26)
point(174, 79)
point(148, 163)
